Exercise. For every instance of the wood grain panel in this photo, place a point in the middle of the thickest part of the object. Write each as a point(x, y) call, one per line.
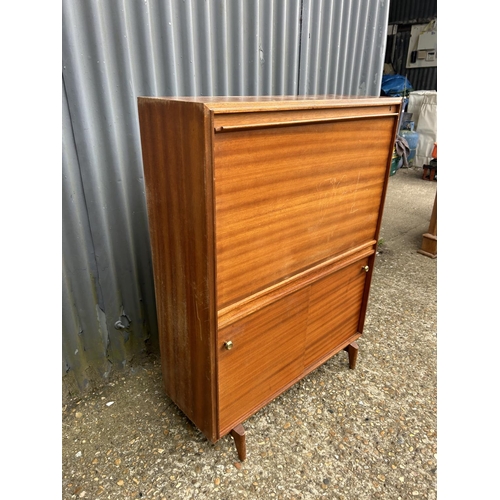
point(258, 236)
point(288, 198)
point(253, 104)
point(176, 151)
point(253, 303)
point(232, 119)
point(334, 307)
point(267, 353)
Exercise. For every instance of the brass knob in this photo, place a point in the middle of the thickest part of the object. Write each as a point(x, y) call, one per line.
point(365, 268)
point(228, 345)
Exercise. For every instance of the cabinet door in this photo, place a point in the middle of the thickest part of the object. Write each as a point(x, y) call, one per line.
point(267, 354)
point(334, 310)
point(287, 198)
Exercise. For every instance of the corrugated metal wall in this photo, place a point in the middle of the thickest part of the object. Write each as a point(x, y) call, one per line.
point(405, 13)
point(116, 50)
point(420, 78)
point(343, 46)
point(412, 11)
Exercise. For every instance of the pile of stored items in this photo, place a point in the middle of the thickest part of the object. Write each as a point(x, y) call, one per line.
point(416, 141)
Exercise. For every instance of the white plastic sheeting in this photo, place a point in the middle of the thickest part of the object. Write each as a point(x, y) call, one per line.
point(423, 105)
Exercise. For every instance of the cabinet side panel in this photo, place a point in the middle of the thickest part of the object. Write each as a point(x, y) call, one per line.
point(175, 144)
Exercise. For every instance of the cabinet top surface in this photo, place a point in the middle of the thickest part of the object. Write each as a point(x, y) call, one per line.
point(226, 104)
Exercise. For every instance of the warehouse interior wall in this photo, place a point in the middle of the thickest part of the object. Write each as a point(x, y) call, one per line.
point(405, 16)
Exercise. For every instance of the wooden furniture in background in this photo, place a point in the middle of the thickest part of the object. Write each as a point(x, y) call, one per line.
point(430, 170)
point(264, 216)
point(429, 239)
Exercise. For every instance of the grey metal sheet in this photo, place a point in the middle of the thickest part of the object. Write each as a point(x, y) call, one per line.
point(343, 47)
point(412, 11)
point(116, 50)
point(85, 335)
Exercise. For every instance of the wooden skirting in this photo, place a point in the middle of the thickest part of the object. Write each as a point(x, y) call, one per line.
point(429, 239)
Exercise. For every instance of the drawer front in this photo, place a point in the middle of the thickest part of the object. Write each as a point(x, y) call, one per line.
point(287, 198)
point(334, 308)
point(267, 353)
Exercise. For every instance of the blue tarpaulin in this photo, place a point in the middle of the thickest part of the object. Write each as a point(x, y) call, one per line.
point(395, 86)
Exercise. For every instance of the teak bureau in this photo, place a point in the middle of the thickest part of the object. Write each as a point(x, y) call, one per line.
point(264, 216)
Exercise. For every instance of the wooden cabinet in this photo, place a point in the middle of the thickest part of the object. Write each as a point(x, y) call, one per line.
point(264, 215)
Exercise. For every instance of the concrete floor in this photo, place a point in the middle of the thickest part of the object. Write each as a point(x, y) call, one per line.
point(341, 434)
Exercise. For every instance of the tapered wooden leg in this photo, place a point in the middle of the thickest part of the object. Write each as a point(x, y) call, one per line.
point(238, 434)
point(352, 352)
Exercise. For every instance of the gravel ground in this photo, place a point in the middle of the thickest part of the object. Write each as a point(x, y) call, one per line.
point(359, 434)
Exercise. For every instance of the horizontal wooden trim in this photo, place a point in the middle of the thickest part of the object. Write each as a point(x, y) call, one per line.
point(238, 104)
point(280, 115)
point(306, 372)
point(257, 301)
point(252, 126)
point(295, 105)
